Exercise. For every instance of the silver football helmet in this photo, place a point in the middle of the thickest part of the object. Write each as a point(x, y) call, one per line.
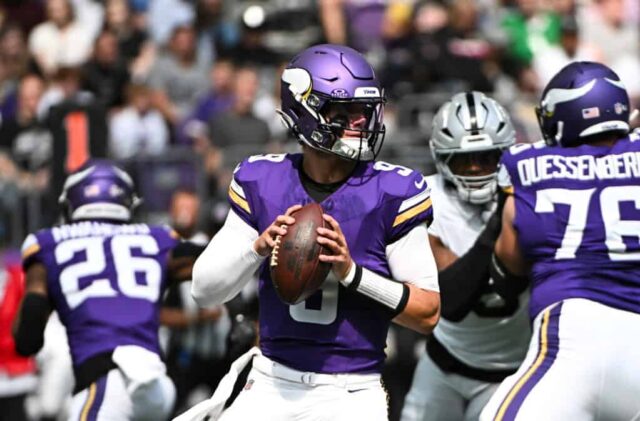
point(470, 131)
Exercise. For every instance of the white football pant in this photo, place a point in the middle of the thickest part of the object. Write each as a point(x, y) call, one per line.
point(107, 399)
point(583, 364)
point(439, 396)
point(274, 392)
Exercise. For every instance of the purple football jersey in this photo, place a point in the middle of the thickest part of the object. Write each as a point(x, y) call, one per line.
point(578, 220)
point(335, 330)
point(105, 281)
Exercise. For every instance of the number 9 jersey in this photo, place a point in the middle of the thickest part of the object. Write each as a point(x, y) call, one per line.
point(105, 281)
point(577, 213)
point(335, 330)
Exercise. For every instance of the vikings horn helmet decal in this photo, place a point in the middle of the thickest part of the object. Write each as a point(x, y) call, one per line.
point(583, 99)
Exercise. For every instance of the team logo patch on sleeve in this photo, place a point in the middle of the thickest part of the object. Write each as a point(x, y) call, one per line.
point(413, 206)
point(237, 196)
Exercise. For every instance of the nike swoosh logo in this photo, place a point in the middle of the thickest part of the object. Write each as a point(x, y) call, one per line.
point(421, 183)
point(356, 390)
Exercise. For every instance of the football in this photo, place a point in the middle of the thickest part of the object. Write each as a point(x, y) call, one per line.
point(296, 270)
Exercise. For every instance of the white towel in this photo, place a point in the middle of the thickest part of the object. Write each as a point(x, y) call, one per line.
point(215, 404)
point(139, 365)
point(152, 393)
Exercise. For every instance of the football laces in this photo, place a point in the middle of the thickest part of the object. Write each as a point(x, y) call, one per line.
point(274, 253)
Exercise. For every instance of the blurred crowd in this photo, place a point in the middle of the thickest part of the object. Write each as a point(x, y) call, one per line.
point(181, 90)
point(178, 91)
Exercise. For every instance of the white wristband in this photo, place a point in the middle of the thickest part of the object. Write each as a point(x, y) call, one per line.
point(390, 293)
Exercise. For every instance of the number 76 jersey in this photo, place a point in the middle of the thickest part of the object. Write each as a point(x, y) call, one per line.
point(578, 220)
point(105, 281)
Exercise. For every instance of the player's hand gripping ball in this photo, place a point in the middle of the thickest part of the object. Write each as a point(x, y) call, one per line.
point(296, 270)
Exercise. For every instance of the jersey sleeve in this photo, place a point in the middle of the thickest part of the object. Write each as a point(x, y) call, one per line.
point(437, 196)
point(239, 194)
point(31, 250)
point(166, 237)
point(504, 178)
point(411, 208)
point(508, 180)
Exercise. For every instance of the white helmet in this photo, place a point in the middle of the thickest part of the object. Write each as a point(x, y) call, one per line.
point(470, 123)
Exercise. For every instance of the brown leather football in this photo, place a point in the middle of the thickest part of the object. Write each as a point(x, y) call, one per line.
point(296, 270)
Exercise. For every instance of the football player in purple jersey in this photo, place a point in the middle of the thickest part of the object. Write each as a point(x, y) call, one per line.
point(571, 223)
point(321, 359)
point(104, 276)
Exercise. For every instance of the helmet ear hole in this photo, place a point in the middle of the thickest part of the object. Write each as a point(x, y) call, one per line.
point(446, 132)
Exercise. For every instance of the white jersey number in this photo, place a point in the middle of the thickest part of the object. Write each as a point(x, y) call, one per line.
point(579, 204)
point(328, 310)
point(126, 268)
point(385, 166)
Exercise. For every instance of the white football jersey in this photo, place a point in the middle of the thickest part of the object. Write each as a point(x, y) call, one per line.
point(490, 343)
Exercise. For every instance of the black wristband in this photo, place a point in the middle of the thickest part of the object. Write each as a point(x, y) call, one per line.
point(356, 278)
point(403, 302)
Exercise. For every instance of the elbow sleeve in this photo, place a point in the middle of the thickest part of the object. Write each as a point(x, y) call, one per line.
point(223, 269)
point(29, 334)
point(462, 283)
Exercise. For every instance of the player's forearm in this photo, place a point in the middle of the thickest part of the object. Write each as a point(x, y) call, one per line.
point(462, 282)
point(226, 265)
point(507, 246)
point(29, 326)
point(422, 311)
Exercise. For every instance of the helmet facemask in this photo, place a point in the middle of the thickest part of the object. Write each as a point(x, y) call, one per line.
point(473, 174)
point(351, 129)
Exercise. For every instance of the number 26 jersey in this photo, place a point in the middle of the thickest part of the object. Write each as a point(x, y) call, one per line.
point(105, 281)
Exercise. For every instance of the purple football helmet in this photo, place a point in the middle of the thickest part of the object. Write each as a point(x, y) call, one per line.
point(98, 190)
point(583, 99)
point(323, 88)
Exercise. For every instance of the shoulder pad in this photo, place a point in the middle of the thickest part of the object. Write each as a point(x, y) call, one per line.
point(255, 166)
point(408, 196)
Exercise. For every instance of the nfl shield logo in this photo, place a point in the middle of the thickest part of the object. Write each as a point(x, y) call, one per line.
point(619, 108)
